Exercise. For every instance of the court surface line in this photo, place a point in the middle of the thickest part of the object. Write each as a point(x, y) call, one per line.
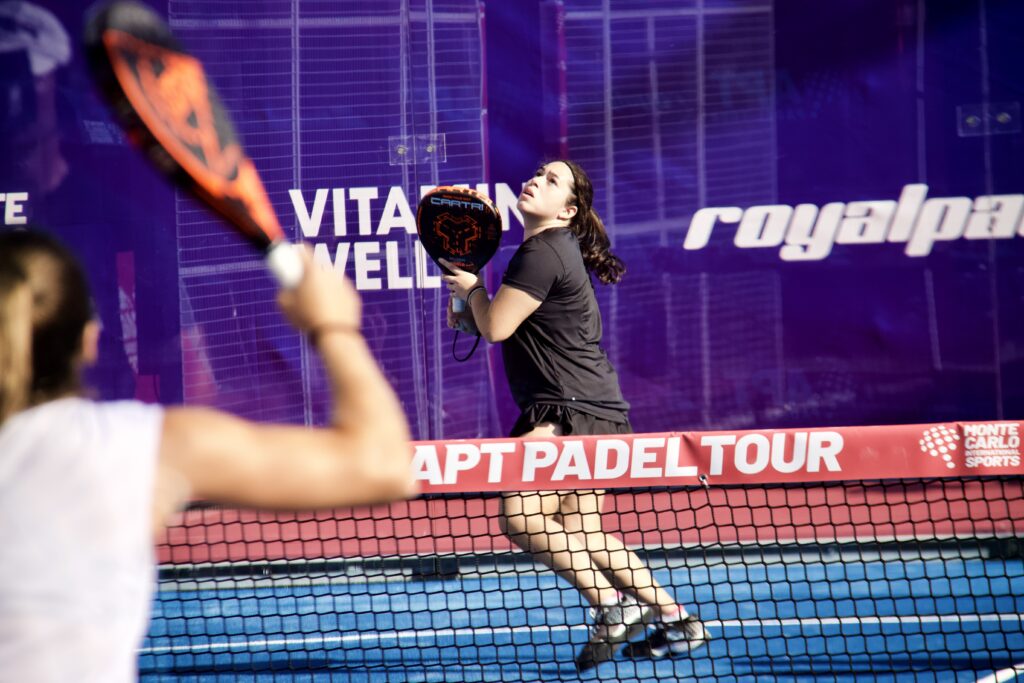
point(376, 638)
point(1003, 674)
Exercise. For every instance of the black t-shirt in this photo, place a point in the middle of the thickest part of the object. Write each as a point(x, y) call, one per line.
point(554, 356)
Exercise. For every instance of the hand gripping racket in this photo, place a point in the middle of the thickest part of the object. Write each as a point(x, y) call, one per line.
point(161, 96)
point(460, 226)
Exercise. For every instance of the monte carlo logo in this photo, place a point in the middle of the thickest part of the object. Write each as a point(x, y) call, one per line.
point(992, 444)
point(986, 444)
point(807, 232)
point(941, 441)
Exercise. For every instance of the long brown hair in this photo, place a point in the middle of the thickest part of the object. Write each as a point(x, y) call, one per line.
point(590, 231)
point(61, 308)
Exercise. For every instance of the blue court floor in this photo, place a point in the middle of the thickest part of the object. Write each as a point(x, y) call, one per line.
point(926, 620)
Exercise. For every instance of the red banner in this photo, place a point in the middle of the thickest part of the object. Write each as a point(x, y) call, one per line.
point(719, 458)
point(690, 515)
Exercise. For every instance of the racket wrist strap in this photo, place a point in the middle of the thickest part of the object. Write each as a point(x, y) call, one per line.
point(469, 295)
point(316, 333)
point(463, 359)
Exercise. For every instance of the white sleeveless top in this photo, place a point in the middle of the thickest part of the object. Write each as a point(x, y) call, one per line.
point(76, 548)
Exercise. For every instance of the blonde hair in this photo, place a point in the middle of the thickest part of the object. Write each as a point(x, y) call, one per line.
point(15, 341)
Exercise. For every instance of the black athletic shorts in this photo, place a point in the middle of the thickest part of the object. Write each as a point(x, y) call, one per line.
point(571, 420)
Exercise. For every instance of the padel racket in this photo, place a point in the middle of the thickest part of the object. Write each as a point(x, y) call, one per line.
point(461, 226)
point(161, 96)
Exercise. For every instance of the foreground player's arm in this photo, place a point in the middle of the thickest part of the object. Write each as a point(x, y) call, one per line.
point(364, 457)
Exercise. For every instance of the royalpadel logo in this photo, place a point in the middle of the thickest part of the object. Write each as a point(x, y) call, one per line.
point(941, 441)
point(807, 232)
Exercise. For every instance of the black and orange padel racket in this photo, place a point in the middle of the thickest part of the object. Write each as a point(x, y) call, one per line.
point(161, 95)
point(461, 226)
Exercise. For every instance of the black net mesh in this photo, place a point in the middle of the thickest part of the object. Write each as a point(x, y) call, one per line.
point(879, 580)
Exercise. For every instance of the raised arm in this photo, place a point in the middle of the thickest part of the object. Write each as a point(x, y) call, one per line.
point(363, 457)
point(496, 319)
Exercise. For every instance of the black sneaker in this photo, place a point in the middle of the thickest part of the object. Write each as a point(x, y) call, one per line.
point(613, 626)
point(670, 639)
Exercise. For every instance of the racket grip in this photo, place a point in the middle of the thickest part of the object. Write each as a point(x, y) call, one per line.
point(285, 264)
point(458, 305)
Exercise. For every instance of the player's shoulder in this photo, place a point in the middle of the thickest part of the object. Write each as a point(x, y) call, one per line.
point(564, 244)
point(555, 250)
point(559, 238)
point(76, 413)
point(560, 242)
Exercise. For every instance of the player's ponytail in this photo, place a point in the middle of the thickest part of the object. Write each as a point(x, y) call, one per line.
point(590, 231)
point(15, 340)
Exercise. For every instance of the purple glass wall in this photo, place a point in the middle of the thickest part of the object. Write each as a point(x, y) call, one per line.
point(838, 303)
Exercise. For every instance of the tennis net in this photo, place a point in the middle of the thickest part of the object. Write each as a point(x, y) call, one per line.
point(876, 553)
